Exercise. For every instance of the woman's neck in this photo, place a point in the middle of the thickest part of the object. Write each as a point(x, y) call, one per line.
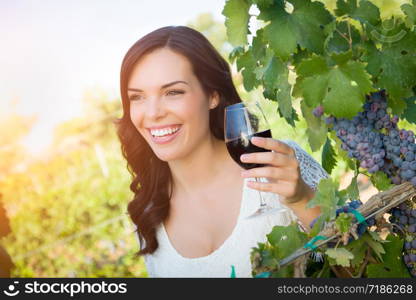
point(205, 164)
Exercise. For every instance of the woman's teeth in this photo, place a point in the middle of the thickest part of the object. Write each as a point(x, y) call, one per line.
point(163, 132)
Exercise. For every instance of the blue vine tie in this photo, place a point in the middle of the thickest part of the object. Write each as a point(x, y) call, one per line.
point(360, 218)
point(311, 243)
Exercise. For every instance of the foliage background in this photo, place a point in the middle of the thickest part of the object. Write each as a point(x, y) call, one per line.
point(67, 209)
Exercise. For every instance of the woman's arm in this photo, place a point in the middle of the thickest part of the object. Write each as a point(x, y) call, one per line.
point(298, 206)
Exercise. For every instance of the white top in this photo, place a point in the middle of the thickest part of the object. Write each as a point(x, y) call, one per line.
point(236, 249)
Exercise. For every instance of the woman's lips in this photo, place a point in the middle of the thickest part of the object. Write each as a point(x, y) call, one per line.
point(166, 138)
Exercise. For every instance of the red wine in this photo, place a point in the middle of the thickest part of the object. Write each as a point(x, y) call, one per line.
point(240, 146)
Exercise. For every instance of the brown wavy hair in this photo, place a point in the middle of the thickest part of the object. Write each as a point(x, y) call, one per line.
point(152, 176)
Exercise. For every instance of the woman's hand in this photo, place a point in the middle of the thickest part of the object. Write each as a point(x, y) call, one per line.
point(281, 169)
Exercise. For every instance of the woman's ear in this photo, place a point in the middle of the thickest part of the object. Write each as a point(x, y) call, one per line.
point(214, 100)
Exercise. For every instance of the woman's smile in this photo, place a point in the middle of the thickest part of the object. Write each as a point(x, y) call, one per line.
point(165, 134)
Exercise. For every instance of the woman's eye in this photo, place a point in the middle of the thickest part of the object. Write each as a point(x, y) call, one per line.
point(173, 93)
point(135, 97)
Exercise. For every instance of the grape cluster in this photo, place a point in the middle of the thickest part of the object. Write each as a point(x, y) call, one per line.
point(404, 218)
point(373, 138)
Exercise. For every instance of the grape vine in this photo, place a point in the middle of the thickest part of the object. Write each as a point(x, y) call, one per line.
point(355, 78)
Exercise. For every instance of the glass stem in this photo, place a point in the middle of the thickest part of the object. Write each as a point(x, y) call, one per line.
point(262, 202)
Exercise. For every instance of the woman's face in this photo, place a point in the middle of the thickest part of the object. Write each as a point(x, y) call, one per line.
point(167, 104)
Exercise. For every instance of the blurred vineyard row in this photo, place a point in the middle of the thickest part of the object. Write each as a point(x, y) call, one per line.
point(67, 210)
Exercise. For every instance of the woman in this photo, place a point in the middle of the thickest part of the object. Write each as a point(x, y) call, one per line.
point(191, 199)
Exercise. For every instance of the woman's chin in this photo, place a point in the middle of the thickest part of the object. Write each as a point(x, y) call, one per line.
point(167, 157)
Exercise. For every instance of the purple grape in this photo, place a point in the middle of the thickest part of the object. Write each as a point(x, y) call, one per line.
point(403, 220)
point(403, 206)
point(361, 229)
point(371, 222)
point(406, 259)
point(409, 156)
point(397, 212)
point(313, 222)
point(318, 111)
point(396, 180)
point(373, 169)
point(407, 245)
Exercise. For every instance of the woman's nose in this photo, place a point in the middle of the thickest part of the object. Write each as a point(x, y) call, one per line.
point(155, 109)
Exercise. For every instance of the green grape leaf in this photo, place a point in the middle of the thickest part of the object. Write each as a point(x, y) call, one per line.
point(410, 12)
point(263, 3)
point(257, 45)
point(317, 227)
point(236, 22)
point(381, 181)
point(303, 26)
point(343, 222)
point(375, 236)
point(290, 120)
point(316, 130)
point(410, 112)
point(340, 256)
point(342, 197)
point(325, 198)
point(338, 38)
point(273, 72)
point(311, 83)
point(352, 189)
point(393, 67)
point(367, 12)
point(300, 55)
point(342, 88)
point(314, 89)
point(358, 249)
point(236, 52)
point(285, 272)
point(328, 157)
point(247, 63)
point(340, 152)
point(287, 239)
point(376, 246)
point(274, 75)
point(392, 265)
point(347, 86)
point(269, 255)
point(340, 58)
point(284, 99)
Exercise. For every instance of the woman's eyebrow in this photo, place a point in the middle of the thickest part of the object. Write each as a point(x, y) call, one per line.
point(162, 87)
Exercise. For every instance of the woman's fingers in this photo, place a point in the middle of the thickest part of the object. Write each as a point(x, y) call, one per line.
point(272, 144)
point(285, 189)
point(270, 158)
point(272, 173)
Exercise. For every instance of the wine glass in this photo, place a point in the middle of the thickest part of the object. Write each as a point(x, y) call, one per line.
point(242, 122)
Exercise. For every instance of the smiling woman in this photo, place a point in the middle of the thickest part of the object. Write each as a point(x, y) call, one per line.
point(174, 113)
point(190, 198)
